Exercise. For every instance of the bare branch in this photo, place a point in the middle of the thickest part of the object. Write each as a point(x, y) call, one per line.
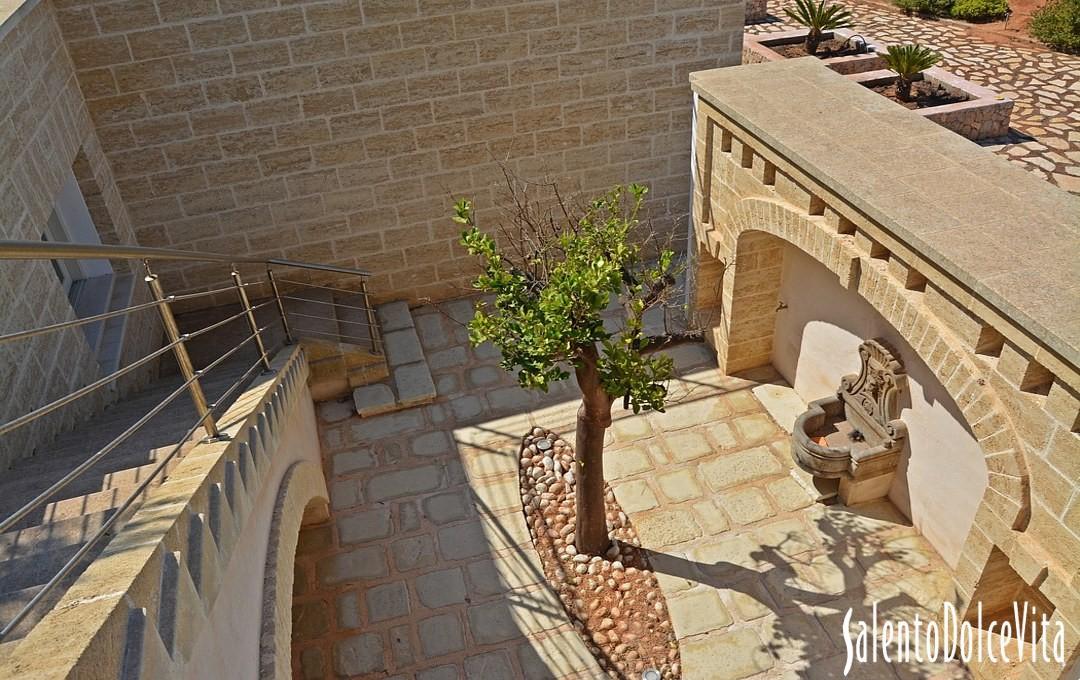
point(656, 343)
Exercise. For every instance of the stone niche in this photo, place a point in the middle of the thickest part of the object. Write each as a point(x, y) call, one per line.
point(983, 114)
point(851, 442)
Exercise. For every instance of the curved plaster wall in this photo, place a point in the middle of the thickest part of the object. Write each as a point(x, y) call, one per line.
point(230, 645)
point(941, 476)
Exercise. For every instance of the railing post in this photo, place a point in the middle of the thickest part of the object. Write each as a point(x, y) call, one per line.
point(376, 339)
point(172, 332)
point(280, 305)
point(250, 317)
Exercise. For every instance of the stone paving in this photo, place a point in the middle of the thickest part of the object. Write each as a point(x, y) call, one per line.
point(1045, 136)
point(426, 572)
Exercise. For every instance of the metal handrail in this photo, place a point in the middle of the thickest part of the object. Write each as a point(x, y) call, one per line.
point(22, 512)
point(327, 318)
point(339, 336)
point(53, 250)
point(175, 342)
point(115, 517)
point(316, 285)
point(100, 382)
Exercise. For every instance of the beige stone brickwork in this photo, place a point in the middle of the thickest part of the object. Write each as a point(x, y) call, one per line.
point(338, 131)
point(45, 133)
point(1015, 386)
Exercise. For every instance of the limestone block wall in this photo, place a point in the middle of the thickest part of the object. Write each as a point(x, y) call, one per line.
point(338, 131)
point(45, 132)
point(990, 329)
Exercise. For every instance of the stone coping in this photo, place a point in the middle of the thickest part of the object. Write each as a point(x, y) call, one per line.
point(13, 10)
point(1003, 233)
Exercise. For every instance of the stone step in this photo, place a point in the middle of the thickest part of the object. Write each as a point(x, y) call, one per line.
point(11, 602)
point(33, 570)
point(409, 383)
point(91, 481)
point(95, 491)
point(81, 505)
point(57, 533)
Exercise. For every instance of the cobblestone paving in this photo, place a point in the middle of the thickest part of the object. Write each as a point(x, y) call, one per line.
point(426, 572)
point(1045, 136)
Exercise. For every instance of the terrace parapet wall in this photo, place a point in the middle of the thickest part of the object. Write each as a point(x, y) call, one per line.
point(971, 260)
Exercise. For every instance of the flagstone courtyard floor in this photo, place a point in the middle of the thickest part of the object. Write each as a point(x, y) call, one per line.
point(1045, 135)
point(426, 570)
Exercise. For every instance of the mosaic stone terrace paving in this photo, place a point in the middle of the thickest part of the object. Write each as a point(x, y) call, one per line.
point(427, 570)
point(1045, 85)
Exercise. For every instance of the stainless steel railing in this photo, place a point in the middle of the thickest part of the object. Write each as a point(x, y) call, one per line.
point(285, 296)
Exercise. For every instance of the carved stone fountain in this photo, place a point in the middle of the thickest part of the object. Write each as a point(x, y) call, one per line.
point(856, 436)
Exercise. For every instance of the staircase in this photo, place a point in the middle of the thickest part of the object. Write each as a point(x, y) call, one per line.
point(409, 382)
point(37, 547)
point(341, 346)
point(384, 368)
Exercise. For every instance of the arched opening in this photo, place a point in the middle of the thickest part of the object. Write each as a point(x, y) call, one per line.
point(301, 501)
point(942, 475)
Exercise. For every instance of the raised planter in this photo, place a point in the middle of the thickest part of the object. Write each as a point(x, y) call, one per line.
point(758, 49)
point(983, 114)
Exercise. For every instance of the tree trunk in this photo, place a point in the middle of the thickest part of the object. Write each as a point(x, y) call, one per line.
point(593, 420)
point(903, 88)
point(813, 39)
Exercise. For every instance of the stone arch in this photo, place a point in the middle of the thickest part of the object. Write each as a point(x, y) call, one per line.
point(302, 499)
point(740, 245)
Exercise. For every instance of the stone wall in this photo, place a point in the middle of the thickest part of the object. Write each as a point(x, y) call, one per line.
point(338, 131)
point(45, 133)
point(994, 331)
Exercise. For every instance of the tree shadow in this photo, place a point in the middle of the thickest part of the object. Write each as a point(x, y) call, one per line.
point(803, 589)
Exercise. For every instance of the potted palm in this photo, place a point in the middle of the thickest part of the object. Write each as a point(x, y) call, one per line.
point(818, 18)
point(908, 62)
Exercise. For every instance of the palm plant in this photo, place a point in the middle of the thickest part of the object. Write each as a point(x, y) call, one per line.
point(907, 62)
point(818, 18)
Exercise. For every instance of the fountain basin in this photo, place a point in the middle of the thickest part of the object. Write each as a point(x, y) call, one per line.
point(856, 436)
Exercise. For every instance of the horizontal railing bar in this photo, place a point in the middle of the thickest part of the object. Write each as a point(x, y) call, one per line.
point(74, 323)
point(243, 376)
point(337, 336)
point(92, 460)
point(327, 318)
point(322, 302)
point(29, 333)
point(83, 391)
point(202, 293)
point(52, 250)
point(315, 285)
point(114, 518)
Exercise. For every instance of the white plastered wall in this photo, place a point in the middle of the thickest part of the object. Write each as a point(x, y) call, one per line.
point(941, 476)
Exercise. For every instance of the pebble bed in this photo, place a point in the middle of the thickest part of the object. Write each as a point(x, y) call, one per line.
point(614, 601)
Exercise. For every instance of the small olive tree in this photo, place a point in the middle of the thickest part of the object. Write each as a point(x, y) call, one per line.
point(550, 289)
